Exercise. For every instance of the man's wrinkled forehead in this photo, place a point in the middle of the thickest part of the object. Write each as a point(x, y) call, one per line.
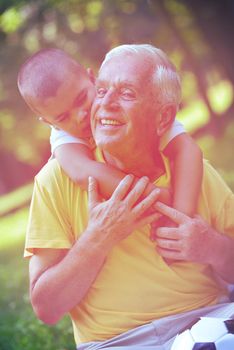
point(125, 68)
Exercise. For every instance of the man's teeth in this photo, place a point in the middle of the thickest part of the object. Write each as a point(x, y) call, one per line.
point(109, 122)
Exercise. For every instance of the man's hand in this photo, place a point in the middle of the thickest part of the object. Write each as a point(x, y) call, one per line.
point(124, 212)
point(191, 240)
point(163, 221)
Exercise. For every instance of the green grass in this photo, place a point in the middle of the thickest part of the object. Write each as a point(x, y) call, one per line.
point(19, 328)
point(15, 199)
point(13, 228)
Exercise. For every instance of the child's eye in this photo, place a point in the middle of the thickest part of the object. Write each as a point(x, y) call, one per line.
point(80, 99)
point(63, 117)
point(101, 92)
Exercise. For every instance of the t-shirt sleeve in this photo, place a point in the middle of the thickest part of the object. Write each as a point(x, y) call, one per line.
point(219, 199)
point(176, 129)
point(48, 224)
point(226, 213)
point(59, 137)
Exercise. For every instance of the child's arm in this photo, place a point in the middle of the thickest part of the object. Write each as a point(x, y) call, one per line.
point(78, 163)
point(187, 168)
point(187, 171)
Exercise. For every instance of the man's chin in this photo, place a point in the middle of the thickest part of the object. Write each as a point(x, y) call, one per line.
point(108, 144)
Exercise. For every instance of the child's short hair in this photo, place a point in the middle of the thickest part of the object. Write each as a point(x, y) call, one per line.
point(40, 76)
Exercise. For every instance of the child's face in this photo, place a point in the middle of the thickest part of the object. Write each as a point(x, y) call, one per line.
point(70, 108)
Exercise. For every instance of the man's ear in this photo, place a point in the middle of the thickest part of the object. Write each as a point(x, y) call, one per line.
point(91, 75)
point(167, 117)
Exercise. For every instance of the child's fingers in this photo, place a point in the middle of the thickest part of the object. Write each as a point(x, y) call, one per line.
point(123, 188)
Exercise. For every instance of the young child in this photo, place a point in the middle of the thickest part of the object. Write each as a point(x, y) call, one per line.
point(61, 91)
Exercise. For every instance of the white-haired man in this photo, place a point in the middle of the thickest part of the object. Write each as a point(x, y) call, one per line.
point(99, 264)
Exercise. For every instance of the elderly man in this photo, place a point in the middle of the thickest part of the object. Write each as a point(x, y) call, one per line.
point(94, 259)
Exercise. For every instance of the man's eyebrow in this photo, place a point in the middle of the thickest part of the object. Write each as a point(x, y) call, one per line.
point(119, 82)
point(100, 81)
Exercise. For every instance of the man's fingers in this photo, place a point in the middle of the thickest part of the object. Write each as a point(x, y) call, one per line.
point(169, 254)
point(123, 188)
point(137, 191)
point(173, 214)
point(92, 192)
point(147, 202)
point(148, 219)
point(168, 233)
point(168, 244)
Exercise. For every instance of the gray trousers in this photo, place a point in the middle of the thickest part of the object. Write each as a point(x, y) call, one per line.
point(159, 334)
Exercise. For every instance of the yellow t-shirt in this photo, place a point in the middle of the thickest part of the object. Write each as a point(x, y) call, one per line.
point(135, 285)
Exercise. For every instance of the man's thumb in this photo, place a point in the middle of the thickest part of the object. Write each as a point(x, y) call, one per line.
point(92, 191)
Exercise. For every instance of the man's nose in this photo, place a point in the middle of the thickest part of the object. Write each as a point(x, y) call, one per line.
point(109, 101)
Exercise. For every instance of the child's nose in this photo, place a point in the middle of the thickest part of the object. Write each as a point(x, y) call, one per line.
point(81, 115)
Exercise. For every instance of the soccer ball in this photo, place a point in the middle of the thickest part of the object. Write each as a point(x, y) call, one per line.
point(208, 333)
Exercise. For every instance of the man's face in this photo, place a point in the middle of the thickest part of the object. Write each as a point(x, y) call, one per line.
point(70, 108)
point(124, 112)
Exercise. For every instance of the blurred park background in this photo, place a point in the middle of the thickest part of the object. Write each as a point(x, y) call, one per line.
point(196, 34)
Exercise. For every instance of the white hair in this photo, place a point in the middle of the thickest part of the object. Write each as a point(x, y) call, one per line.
point(165, 76)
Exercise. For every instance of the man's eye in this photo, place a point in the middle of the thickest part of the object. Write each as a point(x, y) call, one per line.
point(101, 92)
point(127, 94)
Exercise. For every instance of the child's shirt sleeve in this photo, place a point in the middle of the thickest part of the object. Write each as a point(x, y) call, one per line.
point(59, 137)
point(176, 129)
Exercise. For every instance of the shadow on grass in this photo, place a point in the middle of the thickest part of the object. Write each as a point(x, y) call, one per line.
point(19, 328)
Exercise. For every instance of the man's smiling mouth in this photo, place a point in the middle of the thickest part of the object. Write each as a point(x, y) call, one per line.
point(105, 121)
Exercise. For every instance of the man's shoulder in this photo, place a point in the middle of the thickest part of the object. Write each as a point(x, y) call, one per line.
point(215, 192)
point(53, 178)
point(49, 170)
point(216, 203)
point(212, 179)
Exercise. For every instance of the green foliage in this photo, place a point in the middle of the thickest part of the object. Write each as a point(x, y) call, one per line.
point(11, 20)
point(19, 328)
point(5, 5)
point(87, 29)
point(199, 43)
point(13, 228)
point(220, 154)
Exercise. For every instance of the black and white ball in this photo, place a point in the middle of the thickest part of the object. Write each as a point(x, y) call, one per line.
point(208, 333)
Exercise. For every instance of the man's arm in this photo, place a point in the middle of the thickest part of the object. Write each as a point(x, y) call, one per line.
point(59, 279)
point(194, 240)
